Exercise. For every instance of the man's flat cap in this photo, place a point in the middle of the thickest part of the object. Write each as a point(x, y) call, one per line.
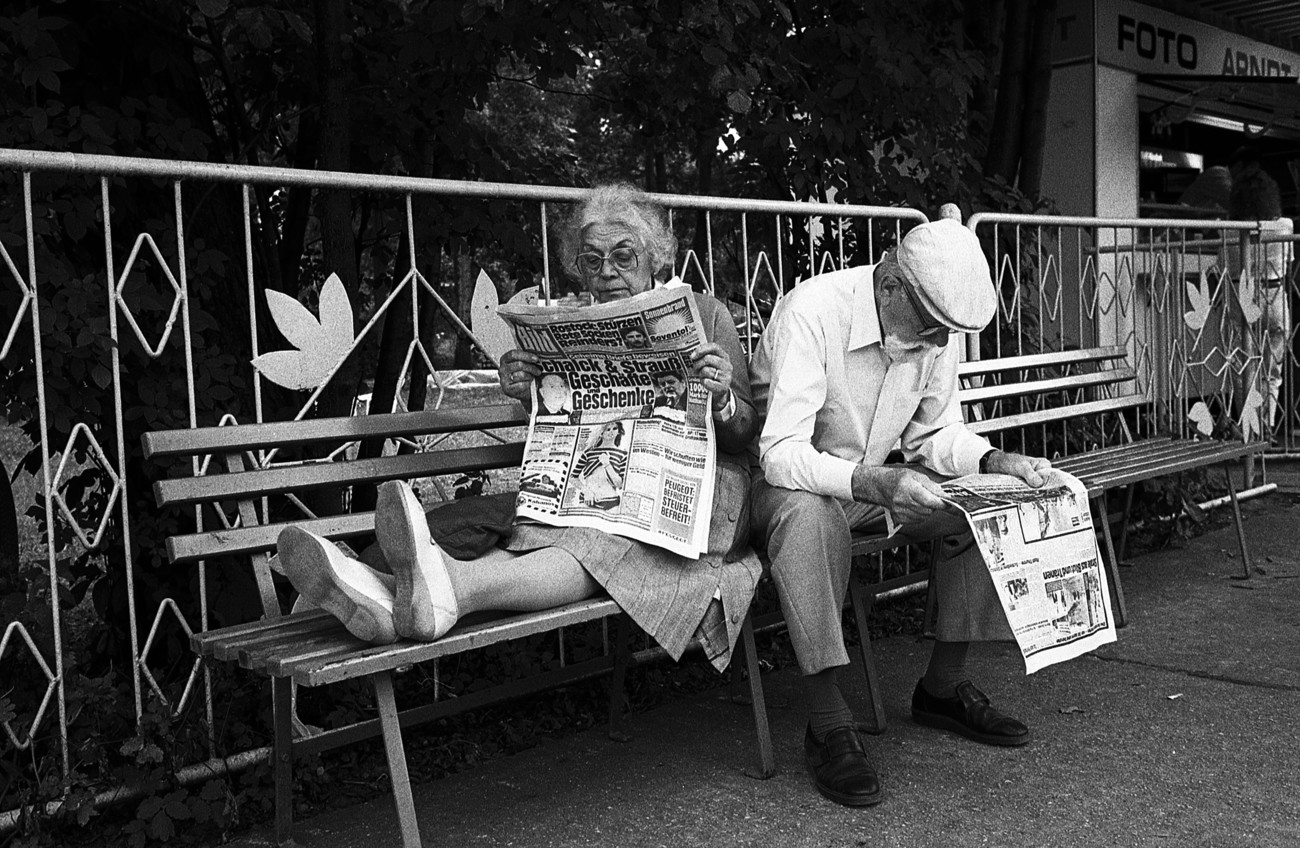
point(945, 265)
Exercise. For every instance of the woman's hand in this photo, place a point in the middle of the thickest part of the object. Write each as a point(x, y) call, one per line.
point(517, 371)
point(711, 365)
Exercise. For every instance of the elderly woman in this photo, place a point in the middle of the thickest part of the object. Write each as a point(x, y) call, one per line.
point(616, 244)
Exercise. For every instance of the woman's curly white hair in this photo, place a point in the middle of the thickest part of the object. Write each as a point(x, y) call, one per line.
point(620, 203)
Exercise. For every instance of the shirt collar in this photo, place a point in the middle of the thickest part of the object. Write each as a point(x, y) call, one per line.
point(864, 327)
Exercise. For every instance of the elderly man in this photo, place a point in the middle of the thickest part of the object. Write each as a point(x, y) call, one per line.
point(853, 366)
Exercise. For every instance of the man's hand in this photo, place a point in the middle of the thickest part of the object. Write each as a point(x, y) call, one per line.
point(909, 495)
point(1028, 468)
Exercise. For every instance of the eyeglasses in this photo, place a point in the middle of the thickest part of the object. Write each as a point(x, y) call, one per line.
point(931, 328)
point(622, 259)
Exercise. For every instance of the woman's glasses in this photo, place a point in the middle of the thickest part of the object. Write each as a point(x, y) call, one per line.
point(622, 259)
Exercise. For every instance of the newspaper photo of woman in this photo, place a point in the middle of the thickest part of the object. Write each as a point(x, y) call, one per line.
point(599, 472)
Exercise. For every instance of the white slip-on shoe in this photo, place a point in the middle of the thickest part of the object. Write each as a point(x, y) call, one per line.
point(329, 579)
point(425, 606)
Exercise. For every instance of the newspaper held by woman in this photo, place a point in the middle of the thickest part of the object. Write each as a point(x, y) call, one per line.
point(620, 437)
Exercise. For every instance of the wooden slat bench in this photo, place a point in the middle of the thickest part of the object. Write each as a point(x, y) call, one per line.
point(1034, 404)
point(311, 648)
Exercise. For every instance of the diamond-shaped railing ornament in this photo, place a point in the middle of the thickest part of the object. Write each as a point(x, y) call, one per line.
point(168, 605)
point(763, 273)
point(1008, 279)
point(23, 743)
point(22, 306)
point(692, 260)
point(1050, 289)
point(827, 263)
point(154, 350)
point(1088, 284)
point(107, 467)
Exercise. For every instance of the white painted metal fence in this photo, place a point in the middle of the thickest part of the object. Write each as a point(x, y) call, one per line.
point(131, 292)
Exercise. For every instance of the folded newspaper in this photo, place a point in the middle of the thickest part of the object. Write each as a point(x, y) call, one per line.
point(1041, 551)
point(621, 435)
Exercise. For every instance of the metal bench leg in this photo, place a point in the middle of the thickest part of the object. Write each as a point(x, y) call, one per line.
point(622, 659)
point(1246, 565)
point(1110, 563)
point(383, 683)
point(766, 759)
point(736, 689)
point(877, 705)
point(282, 768)
point(1123, 527)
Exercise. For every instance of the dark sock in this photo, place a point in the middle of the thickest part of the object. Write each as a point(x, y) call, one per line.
point(947, 669)
point(827, 708)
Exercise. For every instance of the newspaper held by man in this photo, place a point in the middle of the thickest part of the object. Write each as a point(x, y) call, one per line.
point(621, 435)
point(1041, 551)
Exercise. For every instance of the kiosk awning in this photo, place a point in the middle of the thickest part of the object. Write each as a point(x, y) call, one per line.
point(1260, 103)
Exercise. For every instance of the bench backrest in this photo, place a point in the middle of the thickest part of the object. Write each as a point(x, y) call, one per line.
point(255, 479)
point(1044, 403)
point(1011, 399)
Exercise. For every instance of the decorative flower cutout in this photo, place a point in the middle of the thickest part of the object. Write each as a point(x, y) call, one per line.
point(320, 345)
point(491, 330)
point(1199, 299)
point(1201, 417)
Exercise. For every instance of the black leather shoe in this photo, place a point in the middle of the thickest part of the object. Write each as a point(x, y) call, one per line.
point(968, 713)
point(839, 768)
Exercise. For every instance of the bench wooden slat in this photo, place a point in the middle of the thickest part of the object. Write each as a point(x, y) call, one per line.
point(343, 645)
point(378, 658)
point(266, 481)
point(192, 547)
point(314, 648)
point(1058, 413)
point(1192, 457)
point(289, 627)
point(1004, 391)
point(209, 440)
point(204, 641)
point(978, 367)
point(1146, 451)
point(268, 657)
point(1153, 452)
point(1111, 450)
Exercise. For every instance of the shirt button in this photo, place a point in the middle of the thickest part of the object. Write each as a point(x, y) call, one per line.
point(735, 618)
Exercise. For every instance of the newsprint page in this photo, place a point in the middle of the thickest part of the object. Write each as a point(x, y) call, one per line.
point(1041, 551)
point(621, 436)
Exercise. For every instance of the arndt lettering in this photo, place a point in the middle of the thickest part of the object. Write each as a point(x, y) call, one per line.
point(1157, 43)
point(1239, 63)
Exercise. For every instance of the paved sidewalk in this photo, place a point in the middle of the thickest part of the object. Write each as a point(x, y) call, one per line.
point(1184, 733)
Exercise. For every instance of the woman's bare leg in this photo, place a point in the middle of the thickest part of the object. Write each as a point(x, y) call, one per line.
point(502, 580)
